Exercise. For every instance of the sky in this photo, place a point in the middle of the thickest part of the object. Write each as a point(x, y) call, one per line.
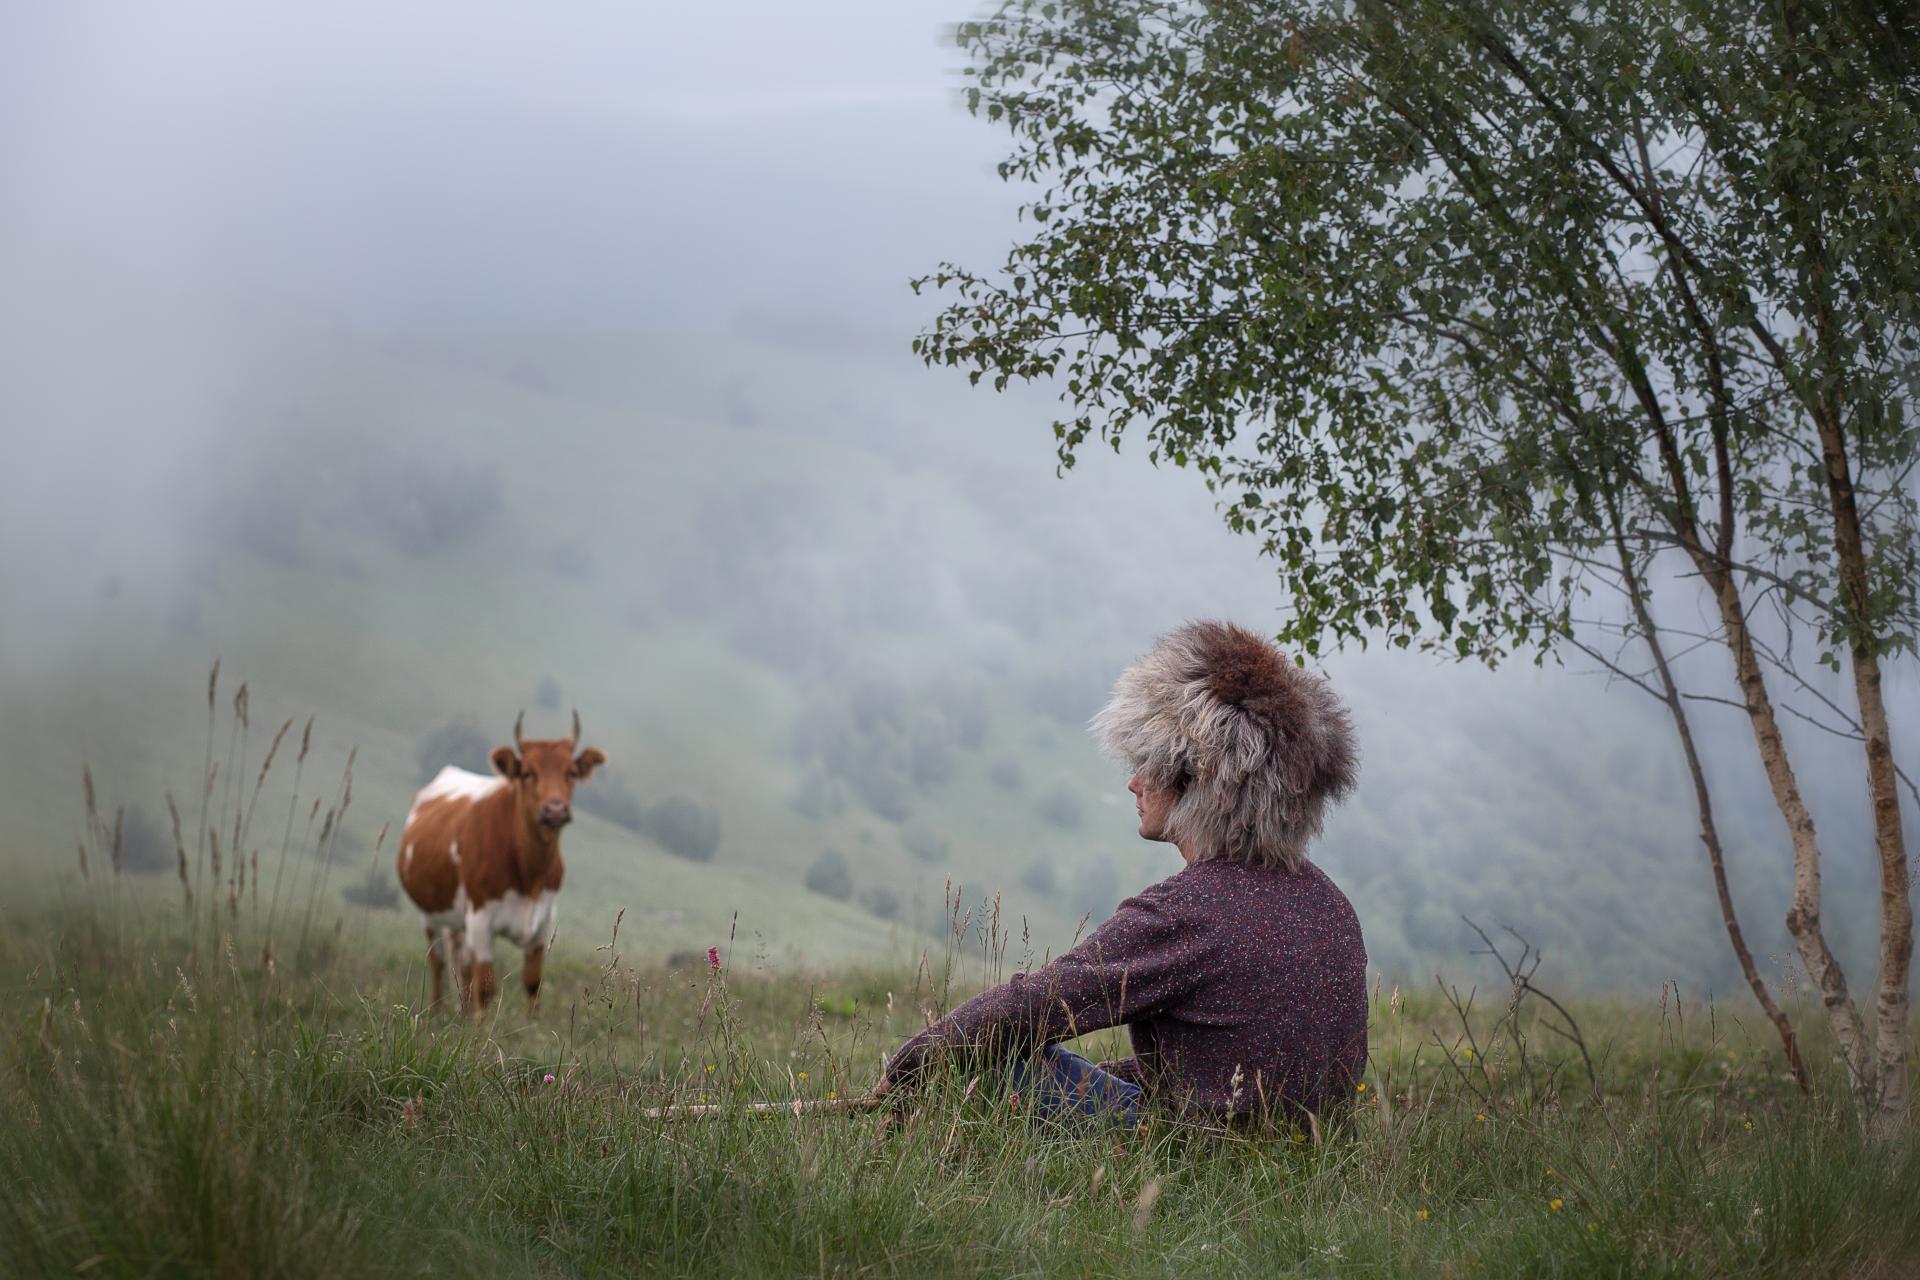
point(546, 166)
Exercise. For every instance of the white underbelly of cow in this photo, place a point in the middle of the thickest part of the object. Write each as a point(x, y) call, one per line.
point(454, 917)
point(528, 922)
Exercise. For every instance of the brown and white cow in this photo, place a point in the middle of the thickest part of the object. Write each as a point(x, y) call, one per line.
point(481, 856)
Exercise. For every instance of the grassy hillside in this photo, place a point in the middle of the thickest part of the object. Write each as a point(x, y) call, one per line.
point(797, 587)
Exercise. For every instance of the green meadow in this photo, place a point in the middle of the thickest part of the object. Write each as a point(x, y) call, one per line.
point(174, 1103)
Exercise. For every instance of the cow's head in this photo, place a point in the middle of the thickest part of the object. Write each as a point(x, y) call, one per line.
point(542, 772)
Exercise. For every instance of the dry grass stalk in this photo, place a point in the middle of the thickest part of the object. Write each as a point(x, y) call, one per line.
point(286, 841)
point(232, 793)
point(253, 802)
point(272, 749)
point(92, 817)
point(338, 815)
point(119, 819)
point(207, 770)
point(797, 1107)
point(1143, 1207)
point(179, 848)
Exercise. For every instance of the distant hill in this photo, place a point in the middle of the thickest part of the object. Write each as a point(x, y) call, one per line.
point(820, 606)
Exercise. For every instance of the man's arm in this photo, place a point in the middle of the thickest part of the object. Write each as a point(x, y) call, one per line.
point(1137, 963)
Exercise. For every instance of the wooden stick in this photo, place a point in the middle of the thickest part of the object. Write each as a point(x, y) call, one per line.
point(798, 1107)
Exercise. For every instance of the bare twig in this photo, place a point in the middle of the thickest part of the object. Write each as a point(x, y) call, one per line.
point(1520, 975)
point(797, 1107)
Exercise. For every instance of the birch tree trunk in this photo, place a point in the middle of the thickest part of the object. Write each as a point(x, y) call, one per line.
point(1703, 800)
point(1896, 904)
point(1803, 917)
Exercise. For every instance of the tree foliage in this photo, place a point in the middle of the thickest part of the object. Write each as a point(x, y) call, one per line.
point(1416, 284)
point(1471, 310)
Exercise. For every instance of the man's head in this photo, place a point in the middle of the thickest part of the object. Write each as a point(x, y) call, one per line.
point(1235, 750)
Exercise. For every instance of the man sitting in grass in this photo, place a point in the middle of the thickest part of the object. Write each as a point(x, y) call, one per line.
point(1242, 978)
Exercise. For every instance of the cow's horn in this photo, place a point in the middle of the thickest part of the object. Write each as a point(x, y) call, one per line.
point(516, 731)
point(576, 726)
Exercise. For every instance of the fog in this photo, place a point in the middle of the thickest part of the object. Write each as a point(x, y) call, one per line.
point(430, 362)
point(489, 166)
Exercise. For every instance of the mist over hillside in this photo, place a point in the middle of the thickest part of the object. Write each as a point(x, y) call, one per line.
point(835, 619)
point(425, 389)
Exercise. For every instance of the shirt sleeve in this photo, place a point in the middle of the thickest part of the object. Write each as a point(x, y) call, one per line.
point(1142, 960)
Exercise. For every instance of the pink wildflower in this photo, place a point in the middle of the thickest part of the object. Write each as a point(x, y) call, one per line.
point(548, 1077)
point(713, 959)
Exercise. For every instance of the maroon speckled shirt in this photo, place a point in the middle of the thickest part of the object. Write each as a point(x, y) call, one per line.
point(1221, 970)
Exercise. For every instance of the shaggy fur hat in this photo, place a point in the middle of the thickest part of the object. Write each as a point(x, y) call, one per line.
point(1255, 745)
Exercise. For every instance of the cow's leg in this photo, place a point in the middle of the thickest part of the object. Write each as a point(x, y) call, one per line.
point(536, 957)
point(462, 964)
point(484, 987)
point(437, 961)
point(480, 981)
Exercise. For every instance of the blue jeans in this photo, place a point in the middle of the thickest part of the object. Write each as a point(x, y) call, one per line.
point(1063, 1085)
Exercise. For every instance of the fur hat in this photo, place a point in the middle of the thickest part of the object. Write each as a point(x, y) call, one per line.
point(1255, 745)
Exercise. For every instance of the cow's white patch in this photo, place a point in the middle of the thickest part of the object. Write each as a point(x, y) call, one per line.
point(454, 853)
point(409, 854)
point(454, 917)
point(456, 783)
point(528, 922)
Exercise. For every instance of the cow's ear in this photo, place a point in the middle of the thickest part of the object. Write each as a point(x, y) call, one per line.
point(587, 761)
point(505, 763)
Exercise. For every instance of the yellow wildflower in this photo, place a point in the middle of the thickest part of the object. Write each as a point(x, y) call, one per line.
point(1479, 1117)
point(1593, 1226)
point(709, 1068)
point(831, 1095)
point(1423, 1215)
point(1361, 1087)
point(803, 1075)
point(1556, 1204)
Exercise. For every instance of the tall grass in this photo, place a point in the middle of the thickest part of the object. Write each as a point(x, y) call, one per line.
point(162, 1114)
point(182, 1095)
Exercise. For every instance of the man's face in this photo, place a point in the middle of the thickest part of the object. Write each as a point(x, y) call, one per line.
point(1152, 804)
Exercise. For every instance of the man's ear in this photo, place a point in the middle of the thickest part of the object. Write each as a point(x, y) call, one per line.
point(505, 763)
point(587, 761)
